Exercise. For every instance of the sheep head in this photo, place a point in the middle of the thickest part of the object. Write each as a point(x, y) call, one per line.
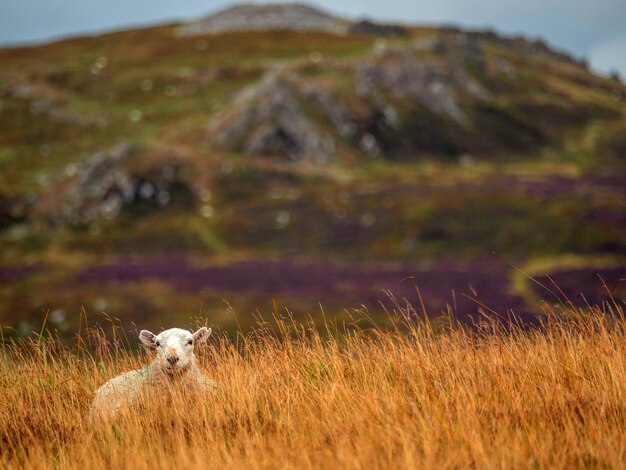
point(174, 347)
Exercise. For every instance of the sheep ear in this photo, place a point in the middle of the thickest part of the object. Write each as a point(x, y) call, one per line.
point(202, 334)
point(148, 338)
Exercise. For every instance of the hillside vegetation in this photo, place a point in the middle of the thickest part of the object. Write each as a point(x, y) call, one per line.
point(138, 168)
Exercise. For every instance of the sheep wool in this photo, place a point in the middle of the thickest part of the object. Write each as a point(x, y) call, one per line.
point(175, 365)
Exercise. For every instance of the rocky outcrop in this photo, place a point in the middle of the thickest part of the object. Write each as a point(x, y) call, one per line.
point(402, 74)
point(266, 119)
point(468, 48)
point(102, 186)
point(285, 16)
point(255, 17)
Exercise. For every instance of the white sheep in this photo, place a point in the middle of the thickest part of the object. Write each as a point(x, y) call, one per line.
point(175, 364)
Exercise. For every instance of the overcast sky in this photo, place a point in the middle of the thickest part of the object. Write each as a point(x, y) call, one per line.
point(595, 29)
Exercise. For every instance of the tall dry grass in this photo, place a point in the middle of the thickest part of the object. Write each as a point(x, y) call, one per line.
point(309, 397)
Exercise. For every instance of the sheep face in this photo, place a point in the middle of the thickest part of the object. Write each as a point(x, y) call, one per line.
point(174, 347)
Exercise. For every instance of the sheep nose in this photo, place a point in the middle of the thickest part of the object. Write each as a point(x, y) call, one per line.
point(172, 360)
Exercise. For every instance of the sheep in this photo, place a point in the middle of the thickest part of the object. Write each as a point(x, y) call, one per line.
point(175, 364)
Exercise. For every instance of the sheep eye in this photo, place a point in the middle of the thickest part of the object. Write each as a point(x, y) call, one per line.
point(158, 343)
point(190, 342)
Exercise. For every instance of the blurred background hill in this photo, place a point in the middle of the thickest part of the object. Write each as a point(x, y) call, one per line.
point(282, 152)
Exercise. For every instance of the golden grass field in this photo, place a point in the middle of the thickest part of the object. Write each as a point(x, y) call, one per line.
point(301, 396)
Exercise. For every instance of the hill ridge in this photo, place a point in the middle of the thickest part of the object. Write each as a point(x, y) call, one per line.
point(258, 17)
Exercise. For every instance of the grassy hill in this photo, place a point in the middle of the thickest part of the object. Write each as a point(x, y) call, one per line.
point(139, 168)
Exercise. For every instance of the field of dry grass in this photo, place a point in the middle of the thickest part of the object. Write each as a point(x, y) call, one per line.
point(301, 396)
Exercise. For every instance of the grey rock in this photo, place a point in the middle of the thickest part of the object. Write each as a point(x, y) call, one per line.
point(256, 17)
point(285, 16)
point(469, 48)
point(101, 186)
point(266, 119)
point(400, 73)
